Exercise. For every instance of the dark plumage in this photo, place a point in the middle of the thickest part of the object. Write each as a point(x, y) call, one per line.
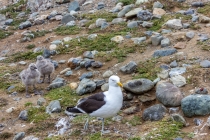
point(45, 67)
point(30, 77)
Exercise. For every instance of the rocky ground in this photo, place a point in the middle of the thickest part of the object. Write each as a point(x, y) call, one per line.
point(160, 51)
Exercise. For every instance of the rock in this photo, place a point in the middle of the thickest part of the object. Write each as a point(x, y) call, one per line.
point(31, 138)
point(156, 39)
point(158, 11)
point(205, 64)
point(179, 118)
point(8, 21)
point(133, 12)
point(10, 110)
point(117, 8)
point(164, 52)
point(65, 70)
point(73, 85)
point(62, 1)
point(117, 118)
point(57, 42)
point(131, 110)
point(157, 4)
point(173, 64)
point(203, 37)
point(138, 40)
point(85, 86)
point(132, 24)
point(53, 107)
point(58, 82)
point(196, 104)
point(74, 6)
point(71, 23)
point(165, 42)
point(201, 91)
point(144, 15)
point(168, 94)
point(180, 45)
point(178, 80)
point(190, 34)
point(105, 87)
point(189, 12)
point(2, 18)
point(104, 25)
point(41, 101)
point(99, 83)
point(174, 24)
point(165, 31)
point(89, 54)
point(117, 39)
point(129, 68)
point(74, 62)
point(99, 22)
point(19, 136)
point(197, 121)
point(96, 64)
point(125, 10)
point(154, 113)
point(86, 63)
point(101, 5)
point(163, 74)
point(67, 18)
point(140, 1)
point(23, 115)
point(68, 73)
point(177, 71)
point(197, 4)
point(92, 37)
point(173, 110)
point(107, 74)
point(138, 86)
point(86, 75)
point(146, 24)
point(53, 47)
point(22, 63)
point(146, 98)
point(204, 19)
point(118, 20)
point(25, 24)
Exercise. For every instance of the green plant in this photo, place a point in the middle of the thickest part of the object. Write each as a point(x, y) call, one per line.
point(136, 120)
point(28, 104)
point(4, 34)
point(67, 30)
point(204, 10)
point(30, 46)
point(5, 135)
point(37, 114)
point(127, 2)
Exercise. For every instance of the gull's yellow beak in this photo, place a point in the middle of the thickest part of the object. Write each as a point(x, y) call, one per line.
point(120, 84)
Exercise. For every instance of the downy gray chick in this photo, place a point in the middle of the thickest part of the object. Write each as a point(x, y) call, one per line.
point(45, 67)
point(30, 77)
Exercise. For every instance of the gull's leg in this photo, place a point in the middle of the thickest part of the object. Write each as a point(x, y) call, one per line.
point(27, 94)
point(49, 78)
point(36, 92)
point(86, 124)
point(102, 130)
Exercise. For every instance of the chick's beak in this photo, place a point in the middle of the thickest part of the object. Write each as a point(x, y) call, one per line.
point(120, 84)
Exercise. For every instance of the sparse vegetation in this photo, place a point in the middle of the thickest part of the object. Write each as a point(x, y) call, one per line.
point(204, 10)
point(28, 104)
point(67, 30)
point(37, 115)
point(4, 34)
point(127, 2)
point(39, 33)
point(30, 46)
point(5, 135)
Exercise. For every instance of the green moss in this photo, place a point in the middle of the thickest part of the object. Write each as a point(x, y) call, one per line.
point(41, 127)
point(127, 2)
point(204, 10)
point(39, 33)
point(157, 23)
point(184, 18)
point(135, 120)
point(4, 34)
point(28, 104)
point(37, 114)
point(67, 30)
point(5, 135)
point(65, 95)
point(147, 69)
point(30, 46)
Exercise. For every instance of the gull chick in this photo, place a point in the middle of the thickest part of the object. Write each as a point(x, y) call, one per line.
point(103, 104)
point(30, 77)
point(45, 67)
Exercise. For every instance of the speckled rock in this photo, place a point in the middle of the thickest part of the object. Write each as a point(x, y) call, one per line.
point(86, 86)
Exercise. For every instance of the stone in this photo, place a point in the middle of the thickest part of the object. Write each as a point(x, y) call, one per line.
point(201, 91)
point(140, 1)
point(19, 136)
point(125, 10)
point(41, 101)
point(165, 31)
point(168, 94)
point(23, 115)
point(131, 110)
point(87, 63)
point(205, 64)
point(74, 62)
point(89, 54)
point(86, 75)
point(53, 107)
point(53, 47)
point(138, 86)
point(178, 80)
point(73, 85)
point(165, 42)
point(59, 18)
point(190, 34)
point(189, 12)
point(173, 64)
point(74, 6)
point(68, 73)
point(144, 15)
point(67, 39)
point(158, 11)
point(197, 122)
point(31, 138)
point(117, 39)
point(174, 24)
point(195, 18)
point(163, 74)
point(203, 37)
point(107, 74)
point(129, 68)
point(10, 110)
point(196, 104)
point(99, 22)
point(65, 70)
point(58, 82)
point(22, 63)
point(204, 19)
point(164, 52)
point(101, 5)
point(157, 4)
point(177, 71)
point(179, 118)
point(67, 18)
point(118, 21)
point(180, 45)
point(99, 83)
point(154, 113)
point(96, 64)
point(24, 25)
point(132, 24)
point(85, 86)
point(71, 23)
point(146, 98)
point(104, 25)
point(92, 36)
point(8, 21)
point(138, 40)
point(156, 39)
point(146, 24)
point(133, 12)
point(197, 4)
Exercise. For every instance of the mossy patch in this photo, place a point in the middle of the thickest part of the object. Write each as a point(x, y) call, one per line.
point(127, 2)
point(67, 30)
point(30, 46)
point(147, 69)
point(5, 135)
point(204, 10)
point(40, 128)
point(4, 34)
point(40, 33)
point(37, 114)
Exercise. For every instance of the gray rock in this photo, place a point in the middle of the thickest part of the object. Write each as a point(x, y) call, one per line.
point(129, 68)
point(67, 18)
point(190, 34)
point(2, 58)
point(156, 39)
point(118, 20)
point(165, 31)
point(25, 24)
point(179, 138)
point(86, 75)
point(189, 12)
point(57, 42)
point(74, 6)
point(104, 25)
point(71, 23)
point(157, 4)
point(132, 24)
point(8, 22)
point(138, 40)
point(68, 73)
point(197, 4)
point(125, 9)
point(196, 104)
point(131, 110)
point(23, 115)
point(154, 113)
point(197, 121)
point(179, 118)
point(164, 52)
point(46, 53)
point(144, 15)
point(203, 37)
point(58, 82)
point(133, 12)
point(195, 18)
point(177, 71)
point(174, 24)
point(173, 64)
point(101, 5)
point(186, 25)
point(86, 86)
point(99, 22)
point(91, 37)
point(178, 80)
point(108, 73)
point(99, 83)
point(168, 94)
point(53, 107)
point(62, 1)
point(148, 33)
point(205, 64)
point(147, 24)
point(19, 136)
point(31, 138)
point(201, 91)
point(89, 54)
point(96, 64)
point(138, 86)
point(62, 62)
point(146, 98)
point(165, 42)
point(41, 101)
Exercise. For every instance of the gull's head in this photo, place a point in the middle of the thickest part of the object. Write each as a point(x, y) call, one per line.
point(114, 81)
point(32, 66)
point(39, 57)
